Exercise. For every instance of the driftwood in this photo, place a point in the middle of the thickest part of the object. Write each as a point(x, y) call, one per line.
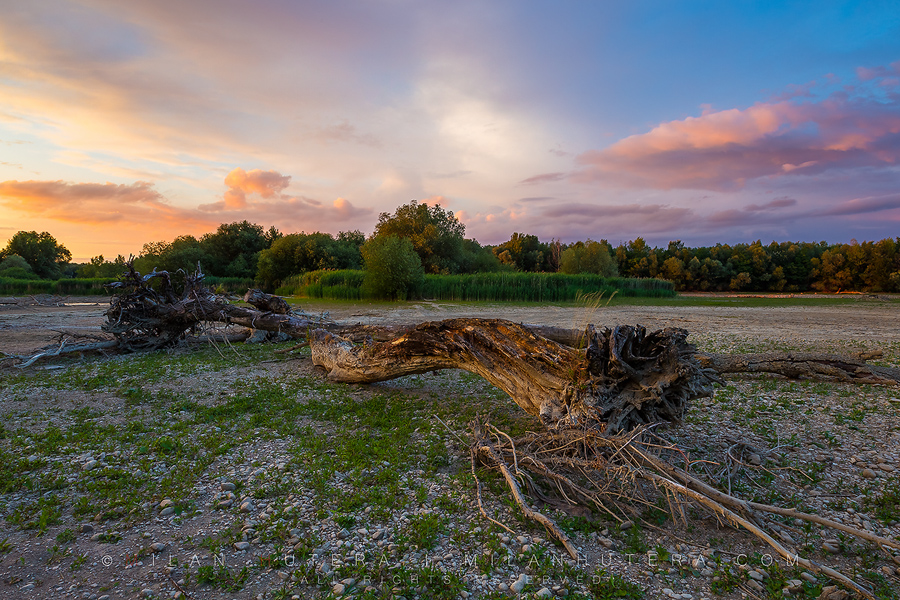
point(624, 378)
point(267, 302)
point(144, 316)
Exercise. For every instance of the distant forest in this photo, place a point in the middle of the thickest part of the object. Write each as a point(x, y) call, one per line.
point(430, 240)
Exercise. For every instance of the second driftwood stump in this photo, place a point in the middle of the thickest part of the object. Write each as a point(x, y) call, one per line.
point(619, 379)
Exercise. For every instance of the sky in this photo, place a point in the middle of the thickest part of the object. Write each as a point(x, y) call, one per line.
point(124, 122)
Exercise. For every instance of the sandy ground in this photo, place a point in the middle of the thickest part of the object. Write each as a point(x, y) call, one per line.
point(24, 329)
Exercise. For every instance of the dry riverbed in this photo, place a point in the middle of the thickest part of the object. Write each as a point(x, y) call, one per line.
point(232, 472)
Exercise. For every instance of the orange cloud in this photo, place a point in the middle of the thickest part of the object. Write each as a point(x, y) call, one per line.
point(240, 183)
point(86, 202)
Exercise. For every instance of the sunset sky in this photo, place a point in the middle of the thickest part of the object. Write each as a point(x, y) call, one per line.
point(129, 121)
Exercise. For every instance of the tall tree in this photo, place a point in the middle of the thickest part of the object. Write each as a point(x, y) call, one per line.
point(436, 234)
point(41, 251)
point(393, 269)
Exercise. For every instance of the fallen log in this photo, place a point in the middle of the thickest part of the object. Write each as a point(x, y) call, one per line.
point(144, 316)
point(624, 378)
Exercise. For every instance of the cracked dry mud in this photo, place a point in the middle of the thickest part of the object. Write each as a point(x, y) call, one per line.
point(232, 472)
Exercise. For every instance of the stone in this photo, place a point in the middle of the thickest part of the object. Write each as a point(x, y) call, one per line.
point(169, 510)
point(544, 593)
point(91, 464)
point(756, 575)
point(807, 576)
point(147, 593)
point(868, 474)
point(832, 592)
point(755, 586)
point(241, 545)
point(227, 486)
point(626, 525)
point(86, 528)
point(166, 503)
point(158, 547)
point(338, 589)
point(519, 584)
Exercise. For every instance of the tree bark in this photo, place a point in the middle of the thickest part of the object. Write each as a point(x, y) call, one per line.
point(624, 377)
point(804, 365)
point(267, 302)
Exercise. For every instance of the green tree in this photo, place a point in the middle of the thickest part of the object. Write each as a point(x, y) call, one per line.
point(232, 251)
point(184, 252)
point(393, 268)
point(41, 251)
point(436, 234)
point(301, 252)
point(100, 267)
point(589, 257)
point(524, 252)
point(16, 267)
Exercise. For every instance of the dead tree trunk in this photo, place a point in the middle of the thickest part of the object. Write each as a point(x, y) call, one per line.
point(625, 377)
point(267, 302)
point(804, 365)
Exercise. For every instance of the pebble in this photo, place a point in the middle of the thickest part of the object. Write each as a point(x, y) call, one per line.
point(338, 589)
point(519, 584)
point(544, 593)
point(755, 586)
point(166, 503)
point(227, 486)
point(246, 507)
point(158, 547)
point(169, 510)
point(868, 474)
point(807, 576)
point(756, 575)
point(241, 545)
point(86, 528)
point(91, 464)
point(147, 593)
point(626, 525)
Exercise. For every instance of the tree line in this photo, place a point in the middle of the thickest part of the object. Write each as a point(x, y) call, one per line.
point(417, 239)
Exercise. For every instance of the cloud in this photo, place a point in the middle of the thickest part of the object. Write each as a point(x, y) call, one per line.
point(858, 206)
point(573, 221)
point(259, 195)
point(723, 150)
point(543, 178)
point(240, 183)
point(86, 202)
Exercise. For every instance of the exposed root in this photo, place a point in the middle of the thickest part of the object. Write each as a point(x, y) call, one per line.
point(615, 474)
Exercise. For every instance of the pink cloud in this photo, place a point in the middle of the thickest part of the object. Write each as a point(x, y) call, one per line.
point(723, 150)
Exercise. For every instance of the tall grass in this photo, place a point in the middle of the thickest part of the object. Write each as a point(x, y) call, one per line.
point(539, 287)
point(517, 287)
point(333, 285)
point(61, 287)
point(229, 284)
